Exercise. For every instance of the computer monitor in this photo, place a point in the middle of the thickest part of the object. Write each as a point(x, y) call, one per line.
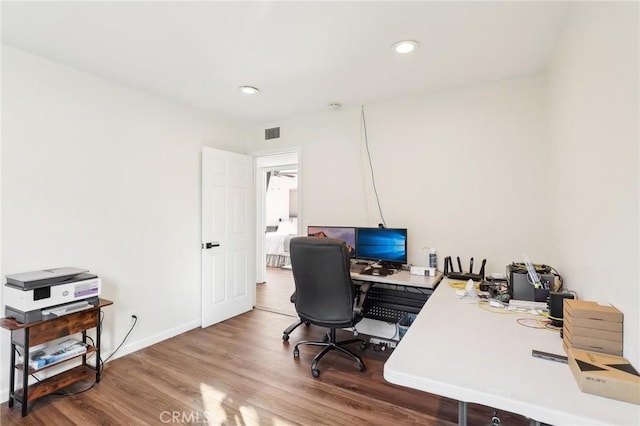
point(387, 245)
point(344, 233)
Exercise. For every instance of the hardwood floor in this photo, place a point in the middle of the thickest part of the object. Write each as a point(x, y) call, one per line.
point(274, 295)
point(240, 372)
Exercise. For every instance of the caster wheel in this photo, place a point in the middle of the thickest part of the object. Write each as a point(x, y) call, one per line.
point(315, 373)
point(285, 337)
point(362, 368)
point(296, 353)
point(325, 338)
point(307, 323)
point(363, 346)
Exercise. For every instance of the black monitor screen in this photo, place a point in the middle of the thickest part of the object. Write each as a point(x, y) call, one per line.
point(385, 244)
point(344, 233)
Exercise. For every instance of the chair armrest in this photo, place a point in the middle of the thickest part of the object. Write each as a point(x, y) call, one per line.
point(358, 303)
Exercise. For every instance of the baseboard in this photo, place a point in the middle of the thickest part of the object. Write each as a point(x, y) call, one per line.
point(151, 340)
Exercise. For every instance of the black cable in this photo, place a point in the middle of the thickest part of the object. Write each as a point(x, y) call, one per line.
point(373, 179)
point(135, 321)
point(74, 393)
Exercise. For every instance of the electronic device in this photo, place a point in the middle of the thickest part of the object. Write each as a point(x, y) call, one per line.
point(390, 305)
point(29, 297)
point(376, 271)
point(387, 246)
point(528, 304)
point(344, 233)
point(449, 272)
point(556, 307)
point(36, 279)
point(423, 270)
point(69, 308)
point(521, 286)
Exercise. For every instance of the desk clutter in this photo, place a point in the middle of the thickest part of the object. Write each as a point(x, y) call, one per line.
point(592, 338)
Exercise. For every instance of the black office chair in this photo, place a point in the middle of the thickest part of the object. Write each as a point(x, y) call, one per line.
point(325, 295)
point(293, 326)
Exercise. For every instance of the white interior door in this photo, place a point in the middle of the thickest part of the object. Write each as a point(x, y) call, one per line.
point(228, 241)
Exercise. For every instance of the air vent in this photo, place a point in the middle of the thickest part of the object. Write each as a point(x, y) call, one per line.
point(272, 133)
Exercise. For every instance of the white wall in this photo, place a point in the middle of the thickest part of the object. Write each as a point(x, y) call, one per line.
point(104, 177)
point(458, 168)
point(594, 113)
point(278, 198)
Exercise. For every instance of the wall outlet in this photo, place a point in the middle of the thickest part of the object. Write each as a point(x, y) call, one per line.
point(132, 318)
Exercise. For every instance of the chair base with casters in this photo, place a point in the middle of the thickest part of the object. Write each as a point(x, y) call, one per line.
point(329, 342)
point(288, 330)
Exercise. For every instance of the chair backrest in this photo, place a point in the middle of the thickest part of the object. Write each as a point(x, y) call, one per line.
point(324, 290)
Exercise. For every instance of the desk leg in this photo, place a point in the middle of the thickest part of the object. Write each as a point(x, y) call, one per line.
point(462, 413)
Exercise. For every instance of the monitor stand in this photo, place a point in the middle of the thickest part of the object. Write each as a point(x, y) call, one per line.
point(389, 265)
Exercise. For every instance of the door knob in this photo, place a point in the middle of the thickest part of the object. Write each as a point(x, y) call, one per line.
point(210, 245)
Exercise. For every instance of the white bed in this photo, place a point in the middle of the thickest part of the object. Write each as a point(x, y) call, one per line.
point(277, 244)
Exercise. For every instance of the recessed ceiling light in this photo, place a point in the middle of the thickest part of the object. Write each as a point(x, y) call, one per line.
point(249, 90)
point(405, 46)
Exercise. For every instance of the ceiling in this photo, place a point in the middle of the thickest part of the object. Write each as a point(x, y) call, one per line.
point(302, 56)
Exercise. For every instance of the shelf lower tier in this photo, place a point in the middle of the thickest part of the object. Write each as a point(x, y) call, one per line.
point(57, 382)
point(90, 350)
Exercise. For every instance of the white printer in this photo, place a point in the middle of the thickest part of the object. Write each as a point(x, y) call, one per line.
point(37, 295)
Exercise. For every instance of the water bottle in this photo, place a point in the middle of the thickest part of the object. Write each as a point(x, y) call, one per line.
point(433, 259)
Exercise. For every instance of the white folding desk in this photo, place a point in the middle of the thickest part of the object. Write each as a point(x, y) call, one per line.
point(461, 351)
point(403, 278)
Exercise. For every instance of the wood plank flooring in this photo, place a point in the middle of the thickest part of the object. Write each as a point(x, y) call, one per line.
point(274, 295)
point(240, 372)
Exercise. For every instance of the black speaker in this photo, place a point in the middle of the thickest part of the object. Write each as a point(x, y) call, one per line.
point(556, 305)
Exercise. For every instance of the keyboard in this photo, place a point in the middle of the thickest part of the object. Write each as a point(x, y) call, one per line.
point(390, 305)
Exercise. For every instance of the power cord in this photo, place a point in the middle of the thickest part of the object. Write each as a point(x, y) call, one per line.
point(135, 321)
point(99, 362)
point(373, 179)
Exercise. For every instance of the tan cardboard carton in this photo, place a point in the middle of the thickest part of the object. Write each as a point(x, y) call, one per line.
point(605, 375)
point(592, 344)
point(593, 324)
point(591, 310)
point(596, 334)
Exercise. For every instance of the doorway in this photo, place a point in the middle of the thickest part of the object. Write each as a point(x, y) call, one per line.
point(278, 197)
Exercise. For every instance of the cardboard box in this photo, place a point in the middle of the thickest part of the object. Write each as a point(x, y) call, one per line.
point(605, 375)
point(591, 310)
point(591, 343)
point(596, 334)
point(593, 324)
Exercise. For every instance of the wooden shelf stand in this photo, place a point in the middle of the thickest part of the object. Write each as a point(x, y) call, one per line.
point(26, 336)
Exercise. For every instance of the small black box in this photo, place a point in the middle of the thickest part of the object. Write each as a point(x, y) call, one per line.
point(556, 306)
